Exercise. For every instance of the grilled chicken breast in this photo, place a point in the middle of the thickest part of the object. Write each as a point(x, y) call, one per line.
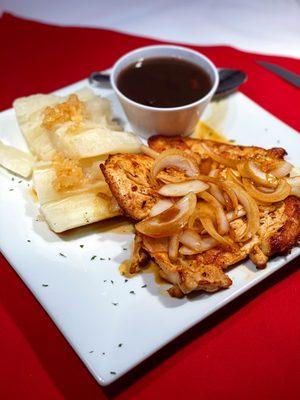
point(129, 178)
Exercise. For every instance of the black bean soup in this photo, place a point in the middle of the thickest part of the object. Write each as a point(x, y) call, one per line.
point(164, 82)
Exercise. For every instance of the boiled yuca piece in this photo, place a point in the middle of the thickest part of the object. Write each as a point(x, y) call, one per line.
point(29, 116)
point(30, 113)
point(94, 141)
point(44, 177)
point(78, 210)
point(16, 160)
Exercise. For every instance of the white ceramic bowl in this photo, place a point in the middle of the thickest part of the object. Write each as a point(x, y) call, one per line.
point(148, 121)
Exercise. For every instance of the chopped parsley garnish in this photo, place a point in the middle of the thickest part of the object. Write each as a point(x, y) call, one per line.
point(115, 304)
point(120, 344)
point(62, 255)
point(45, 285)
point(105, 280)
point(113, 373)
point(12, 179)
point(28, 240)
point(92, 351)
point(103, 354)
point(132, 292)
point(144, 286)
point(101, 259)
point(93, 258)
point(20, 181)
point(109, 258)
point(124, 248)
point(126, 280)
point(11, 190)
point(112, 282)
point(81, 245)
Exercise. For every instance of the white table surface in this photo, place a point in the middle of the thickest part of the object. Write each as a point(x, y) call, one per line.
point(264, 26)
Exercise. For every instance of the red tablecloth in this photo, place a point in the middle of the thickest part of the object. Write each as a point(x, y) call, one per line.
point(249, 349)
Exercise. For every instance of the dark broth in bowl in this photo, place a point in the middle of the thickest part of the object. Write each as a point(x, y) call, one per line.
point(164, 82)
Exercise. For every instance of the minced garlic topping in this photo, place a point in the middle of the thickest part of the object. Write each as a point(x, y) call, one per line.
point(68, 174)
point(72, 110)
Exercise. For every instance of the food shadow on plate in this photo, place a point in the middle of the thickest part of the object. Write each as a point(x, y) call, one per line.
point(115, 225)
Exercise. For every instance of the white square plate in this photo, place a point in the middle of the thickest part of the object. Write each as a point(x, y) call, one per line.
point(111, 339)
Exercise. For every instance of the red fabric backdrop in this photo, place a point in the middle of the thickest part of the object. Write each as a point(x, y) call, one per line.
point(249, 349)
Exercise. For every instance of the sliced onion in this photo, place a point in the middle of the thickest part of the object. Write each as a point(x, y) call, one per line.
point(250, 170)
point(225, 187)
point(186, 251)
point(177, 159)
point(216, 192)
point(233, 176)
point(194, 222)
point(294, 182)
point(210, 229)
point(183, 188)
point(228, 162)
point(265, 189)
point(170, 221)
point(232, 215)
point(280, 193)
point(157, 245)
point(195, 242)
point(223, 226)
point(231, 195)
point(213, 172)
point(173, 247)
point(160, 206)
point(282, 169)
point(251, 209)
point(149, 152)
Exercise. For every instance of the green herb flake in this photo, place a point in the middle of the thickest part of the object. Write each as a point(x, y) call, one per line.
point(132, 292)
point(112, 282)
point(124, 248)
point(115, 304)
point(45, 285)
point(28, 240)
point(93, 258)
point(113, 373)
point(144, 286)
point(109, 258)
point(92, 351)
point(20, 181)
point(120, 344)
point(101, 259)
point(11, 190)
point(62, 255)
point(232, 141)
point(12, 179)
point(126, 280)
point(103, 354)
point(81, 245)
point(105, 280)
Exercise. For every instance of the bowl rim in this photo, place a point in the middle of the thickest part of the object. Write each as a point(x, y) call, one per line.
point(165, 109)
